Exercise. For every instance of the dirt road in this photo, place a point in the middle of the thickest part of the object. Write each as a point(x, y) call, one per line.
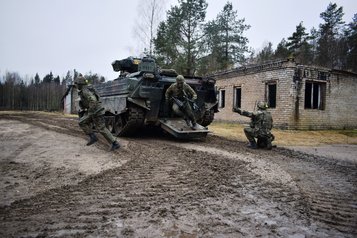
point(51, 184)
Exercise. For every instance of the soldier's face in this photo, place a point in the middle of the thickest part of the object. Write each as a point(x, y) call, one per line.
point(179, 85)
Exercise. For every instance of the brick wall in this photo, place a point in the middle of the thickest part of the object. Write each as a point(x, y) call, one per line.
point(340, 95)
point(340, 111)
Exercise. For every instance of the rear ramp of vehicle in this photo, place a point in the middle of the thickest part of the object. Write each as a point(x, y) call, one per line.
point(179, 129)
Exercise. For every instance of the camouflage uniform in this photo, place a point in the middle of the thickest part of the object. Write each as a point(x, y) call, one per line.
point(92, 113)
point(260, 125)
point(182, 91)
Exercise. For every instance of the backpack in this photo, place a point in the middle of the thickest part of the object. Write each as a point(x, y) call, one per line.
point(267, 122)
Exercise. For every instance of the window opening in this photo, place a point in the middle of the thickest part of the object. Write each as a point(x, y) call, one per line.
point(272, 95)
point(315, 95)
point(237, 97)
point(222, 98)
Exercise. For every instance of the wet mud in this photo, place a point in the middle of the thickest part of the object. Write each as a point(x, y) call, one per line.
point(52, 185)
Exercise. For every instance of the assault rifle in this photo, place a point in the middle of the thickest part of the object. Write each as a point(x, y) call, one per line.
point(84, 115)
point(193, 103)
point(178, 102)
point(181, 104)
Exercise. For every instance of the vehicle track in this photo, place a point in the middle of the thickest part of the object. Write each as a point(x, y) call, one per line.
point(331, 189)
point(158, 193)
point(194, 189)
point(328, 185)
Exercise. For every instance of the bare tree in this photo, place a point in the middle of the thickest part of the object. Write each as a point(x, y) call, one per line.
point(150, 13)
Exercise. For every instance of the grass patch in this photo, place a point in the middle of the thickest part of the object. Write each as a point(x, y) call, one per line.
point(349, 133)
point(235, 131)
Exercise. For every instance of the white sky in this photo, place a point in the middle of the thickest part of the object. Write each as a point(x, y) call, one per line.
point(87, 35)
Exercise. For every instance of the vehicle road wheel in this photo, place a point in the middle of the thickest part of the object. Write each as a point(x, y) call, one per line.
point(128, 123)
point(207, 117)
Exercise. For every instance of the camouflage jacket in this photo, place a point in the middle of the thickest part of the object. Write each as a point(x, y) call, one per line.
point(89, 101)
point(260, 120)
point(187, 91)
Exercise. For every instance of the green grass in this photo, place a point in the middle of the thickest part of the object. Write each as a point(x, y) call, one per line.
point(234, 131)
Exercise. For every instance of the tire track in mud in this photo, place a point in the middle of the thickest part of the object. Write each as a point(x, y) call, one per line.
point(162, 191)
point(331, 189)
point(167, 190)
point(329, 186)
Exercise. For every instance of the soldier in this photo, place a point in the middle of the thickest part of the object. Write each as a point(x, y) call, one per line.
point(91, 112)
point(179, 94)
point(260, 126)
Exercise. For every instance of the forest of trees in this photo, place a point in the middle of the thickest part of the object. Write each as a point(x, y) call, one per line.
point(186, 42)
point(332, 45)
point(37, 94)
point(191, 45)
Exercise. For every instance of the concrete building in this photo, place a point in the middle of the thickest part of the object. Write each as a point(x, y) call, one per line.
point(299, 96)
point(70, 102)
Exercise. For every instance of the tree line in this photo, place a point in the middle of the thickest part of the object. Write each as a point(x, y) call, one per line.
point(37, 94)
point(332, 45)
point(186, 42)
point(191, 45)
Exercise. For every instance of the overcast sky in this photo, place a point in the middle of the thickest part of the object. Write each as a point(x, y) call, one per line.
point(87, 35)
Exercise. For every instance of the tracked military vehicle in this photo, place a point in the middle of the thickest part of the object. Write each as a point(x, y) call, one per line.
point(137, 99)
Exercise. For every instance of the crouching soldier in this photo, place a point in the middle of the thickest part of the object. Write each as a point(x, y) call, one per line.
point(260, 126)
point(179, 95)
point(92, 113)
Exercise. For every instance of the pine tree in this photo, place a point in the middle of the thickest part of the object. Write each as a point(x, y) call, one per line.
point(231, 30)
point(327, 49)
point(352, 45)
point(266, 54)
point(297, 39)
point(282, 51)
point(37, 79)
point(179, 39)
point(299, 47)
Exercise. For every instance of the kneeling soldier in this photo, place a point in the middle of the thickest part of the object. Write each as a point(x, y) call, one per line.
point(260, 126)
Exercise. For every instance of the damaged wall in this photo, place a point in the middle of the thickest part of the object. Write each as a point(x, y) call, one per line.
point(302, 97)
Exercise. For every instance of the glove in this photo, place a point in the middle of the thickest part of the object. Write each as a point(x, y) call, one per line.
point(194, 105)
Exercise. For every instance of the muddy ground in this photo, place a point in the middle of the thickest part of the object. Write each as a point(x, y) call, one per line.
point(52, 185)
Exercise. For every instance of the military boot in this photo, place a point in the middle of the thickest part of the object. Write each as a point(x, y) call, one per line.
point(269, 145)
point(92, 139)
point(188, 122)
point(194, 126)
point(253, 144)
point(115, 145)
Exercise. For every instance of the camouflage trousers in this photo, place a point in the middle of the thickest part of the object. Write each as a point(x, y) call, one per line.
point(185, 112)
point(252, 133)
point(87, 121)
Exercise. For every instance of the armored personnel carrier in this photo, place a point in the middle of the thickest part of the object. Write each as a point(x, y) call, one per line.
point(137, 99)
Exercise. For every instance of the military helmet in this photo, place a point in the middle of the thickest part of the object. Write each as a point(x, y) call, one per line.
point(80, 80)
point(180, 79)
point(262, 105)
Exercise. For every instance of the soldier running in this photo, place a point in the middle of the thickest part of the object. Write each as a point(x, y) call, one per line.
point(91, 112)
